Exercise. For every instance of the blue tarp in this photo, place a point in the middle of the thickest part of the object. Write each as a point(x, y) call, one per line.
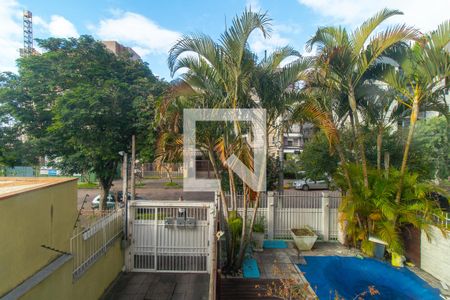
point(274, 244)
point(350, 276)
point(250, 268)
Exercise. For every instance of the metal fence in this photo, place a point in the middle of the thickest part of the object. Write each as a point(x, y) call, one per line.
point(294, 209)
point(89, 244)
point(170, 236)
point(444, 220)
point(151, 170)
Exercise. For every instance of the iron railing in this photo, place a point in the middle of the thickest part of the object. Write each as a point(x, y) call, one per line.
point(91, 243)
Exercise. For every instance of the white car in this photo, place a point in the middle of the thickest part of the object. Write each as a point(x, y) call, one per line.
point(308, 184)
point(110, 202)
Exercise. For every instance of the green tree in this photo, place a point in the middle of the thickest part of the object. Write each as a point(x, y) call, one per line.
point(78, 100)
point(16, 149)
point(429, 138)
point(373, 211)
point(226, 74)
point(419, 77)
point(316, 159)
point(347, 59)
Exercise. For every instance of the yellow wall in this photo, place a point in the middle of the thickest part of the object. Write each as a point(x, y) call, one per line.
point(29, 220)
point(90, 286)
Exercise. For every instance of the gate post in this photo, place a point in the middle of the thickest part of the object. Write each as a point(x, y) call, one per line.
point(270, 215)
point(212, 261)
point(129, 240)
point(325, 216)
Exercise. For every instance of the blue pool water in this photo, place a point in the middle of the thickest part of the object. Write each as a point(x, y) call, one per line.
point(350, 275)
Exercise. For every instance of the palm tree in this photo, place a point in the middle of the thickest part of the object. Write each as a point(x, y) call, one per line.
point(346, 58)
point(169, 144)
point(419, 78)
point(222, 73)
point(374, 212)
point(380, 111)
point(226, 74)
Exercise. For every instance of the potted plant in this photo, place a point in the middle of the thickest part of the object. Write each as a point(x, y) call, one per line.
point(304, 238)
point(258, 234)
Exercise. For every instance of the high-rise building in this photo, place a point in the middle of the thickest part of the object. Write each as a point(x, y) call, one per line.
point(119, 49)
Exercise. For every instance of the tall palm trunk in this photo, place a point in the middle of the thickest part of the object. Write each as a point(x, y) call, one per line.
point(359, 139)
point(224, 210)
point(379, 144)
point(233, 200)
point(344, 165)
point(244, 228)
point(412, 123)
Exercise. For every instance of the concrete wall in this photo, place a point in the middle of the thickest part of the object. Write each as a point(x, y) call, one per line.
point(435, 255)
point(90, 286)
point(43, 216)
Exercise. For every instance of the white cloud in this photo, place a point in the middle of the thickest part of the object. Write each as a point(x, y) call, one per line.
point(282, 34)
point(10, 34)
point(57, 27)
point(253, 4)
point(61, 27)
point(259, 44)
point(134, 30)
point(424, 15)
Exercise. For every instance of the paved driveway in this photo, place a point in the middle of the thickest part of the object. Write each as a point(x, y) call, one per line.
point(159, 286)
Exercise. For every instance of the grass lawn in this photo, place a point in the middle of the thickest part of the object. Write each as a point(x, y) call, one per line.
point(172, 185)
point(87, 185)
point(139, 185)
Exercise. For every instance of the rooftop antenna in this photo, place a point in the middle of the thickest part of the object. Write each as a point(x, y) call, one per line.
point(27, 34)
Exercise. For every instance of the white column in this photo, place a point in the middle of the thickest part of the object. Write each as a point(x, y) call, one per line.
point(270, 215)
point(128, 242)
point(325, 216)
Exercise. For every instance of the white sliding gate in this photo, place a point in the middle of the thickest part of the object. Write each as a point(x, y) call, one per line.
point(170, 236)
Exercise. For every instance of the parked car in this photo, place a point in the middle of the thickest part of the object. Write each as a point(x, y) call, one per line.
point(309, 184)
point(110, 202)
point(441, 200)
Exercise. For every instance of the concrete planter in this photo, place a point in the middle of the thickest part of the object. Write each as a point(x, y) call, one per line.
point(258, 240)
point(304, 238)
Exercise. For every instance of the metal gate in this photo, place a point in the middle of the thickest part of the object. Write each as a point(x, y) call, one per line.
point(170, 236)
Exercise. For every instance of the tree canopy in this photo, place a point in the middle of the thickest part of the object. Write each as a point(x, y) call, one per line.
point(82, 104)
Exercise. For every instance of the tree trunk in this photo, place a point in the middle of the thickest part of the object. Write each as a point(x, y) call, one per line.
point(244, 228)
point(105, 184)
point(352, 123)
point(104, 191)
point(168, 172)
point(359, 138)
point(233, 200)
point(249, 233)
point(344, 165)
point(379, 144)
point(386, 164)
point(224, 210)
point(413, 119)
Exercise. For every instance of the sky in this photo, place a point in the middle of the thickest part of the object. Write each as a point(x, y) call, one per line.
point(152, 27)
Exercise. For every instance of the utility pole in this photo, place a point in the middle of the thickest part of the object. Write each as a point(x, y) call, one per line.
point(124, 189)
point(133, 166)
point(125, 176)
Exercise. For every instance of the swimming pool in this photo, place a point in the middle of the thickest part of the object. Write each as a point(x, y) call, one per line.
point(350, 276)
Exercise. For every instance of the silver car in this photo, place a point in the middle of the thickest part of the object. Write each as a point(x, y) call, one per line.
point(308, 184)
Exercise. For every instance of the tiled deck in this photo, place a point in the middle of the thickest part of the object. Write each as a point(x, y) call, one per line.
point(276, 263)
point(159, 286)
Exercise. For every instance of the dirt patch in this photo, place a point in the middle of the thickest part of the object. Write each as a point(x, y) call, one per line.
point(303, 232)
